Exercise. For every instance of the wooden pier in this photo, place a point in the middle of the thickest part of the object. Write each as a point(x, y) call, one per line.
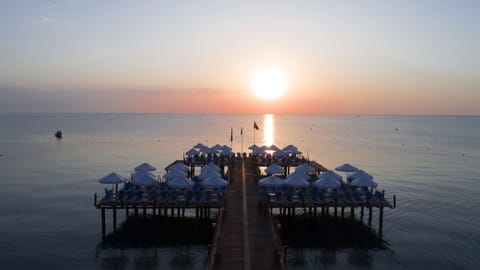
point(246, 239)
point(246, 232)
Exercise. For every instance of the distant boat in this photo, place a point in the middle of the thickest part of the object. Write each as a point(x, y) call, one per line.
point(58, 134)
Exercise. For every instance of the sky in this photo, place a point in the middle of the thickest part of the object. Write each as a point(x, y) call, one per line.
point(337, 57)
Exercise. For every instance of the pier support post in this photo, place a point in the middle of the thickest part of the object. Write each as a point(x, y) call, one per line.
point(369, 216)
point(114, 218)
point(361, 212)
point(352, 212)
point(380, 219)
point(343, 212)
point(144, 212)
point(126, 212)
point(103, 224)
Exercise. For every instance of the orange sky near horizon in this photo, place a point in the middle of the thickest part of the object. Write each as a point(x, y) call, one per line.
point(406, 57)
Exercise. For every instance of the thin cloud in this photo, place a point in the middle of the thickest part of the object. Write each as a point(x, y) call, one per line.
point(45, 20)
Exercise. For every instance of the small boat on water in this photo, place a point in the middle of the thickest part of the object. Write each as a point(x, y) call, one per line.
point(58, 134)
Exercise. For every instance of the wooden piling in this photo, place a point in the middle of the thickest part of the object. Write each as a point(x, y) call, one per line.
point(380, 218)
point(114, 218)
point(103, 223)
point(369, 216)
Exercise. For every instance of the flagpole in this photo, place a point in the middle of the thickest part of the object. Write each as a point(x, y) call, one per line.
point(231, 137)
point(241, 133)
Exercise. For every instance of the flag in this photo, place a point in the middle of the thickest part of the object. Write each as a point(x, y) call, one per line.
point(255, 125)
point(231, 134)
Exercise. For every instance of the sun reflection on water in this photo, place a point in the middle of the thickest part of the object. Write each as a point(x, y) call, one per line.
point(268, 131)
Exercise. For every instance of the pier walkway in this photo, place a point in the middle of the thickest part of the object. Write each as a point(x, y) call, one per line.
point(246, 238)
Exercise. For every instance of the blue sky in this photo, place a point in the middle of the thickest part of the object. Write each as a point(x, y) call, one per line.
point(356, 56)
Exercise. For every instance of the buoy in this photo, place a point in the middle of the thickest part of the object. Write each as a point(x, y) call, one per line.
point(58, 134)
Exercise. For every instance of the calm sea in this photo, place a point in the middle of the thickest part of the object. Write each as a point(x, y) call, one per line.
point(48, 221)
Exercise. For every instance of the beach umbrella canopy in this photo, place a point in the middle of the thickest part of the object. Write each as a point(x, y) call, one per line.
point(226, 147)
point(140, 173)
point(181, 182)
point(363, 181)
point(192, 152)
point(144, 180)
point(346, 168)
point(226, 152)
point(328, 181)
point(299, 174)
point(145, 167)
point(208, 173)
point(178, 166)
point(112, 178)
point(273, 147)
point(211, 166)
point(216, 182)
point(279, 153)
point(200, 146)
point(173, 173)
point(305, 167)
point(290, 147)
point(330, 173)
point(294, 152)
point(271, 181)
point(358, 174)
point(217, 147)
point(296, 182)
point(253, 147)
point(274, 169)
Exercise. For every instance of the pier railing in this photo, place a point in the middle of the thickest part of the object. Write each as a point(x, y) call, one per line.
point(214, 248)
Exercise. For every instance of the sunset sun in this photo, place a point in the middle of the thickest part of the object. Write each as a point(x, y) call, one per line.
point(268, 83)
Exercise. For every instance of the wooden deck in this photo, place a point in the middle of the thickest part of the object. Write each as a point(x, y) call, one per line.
point(246, 237)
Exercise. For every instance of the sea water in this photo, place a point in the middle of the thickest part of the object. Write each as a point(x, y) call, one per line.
point(48, 221)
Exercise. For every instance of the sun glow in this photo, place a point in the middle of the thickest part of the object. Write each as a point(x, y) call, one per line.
point(268, 84)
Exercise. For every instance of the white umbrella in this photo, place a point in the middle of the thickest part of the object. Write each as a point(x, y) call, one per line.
point(274, 169)
point(192, 152)
point(208, 173)
point(328, 181)
point(211, 166)
point(173, 173)
point(226, 152)
point(330, 173)
point(226, 147)
point(140, 173)
point(279, 153)
point(145, 167)
point(346, 168)
point(296, 182)
point(271, 181)
point(216, 182)
point(112, 178)
point(200, 146)
point(358, 174)
point(290, 148)
point(217, 147)
point(299, 174)
point(144, 180)
point(305, 167)
point(181, 182)
point(179, 166)
point(363, 181)
point(253, 147)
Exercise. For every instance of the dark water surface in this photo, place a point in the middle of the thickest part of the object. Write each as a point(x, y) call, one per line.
point(48, 220)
